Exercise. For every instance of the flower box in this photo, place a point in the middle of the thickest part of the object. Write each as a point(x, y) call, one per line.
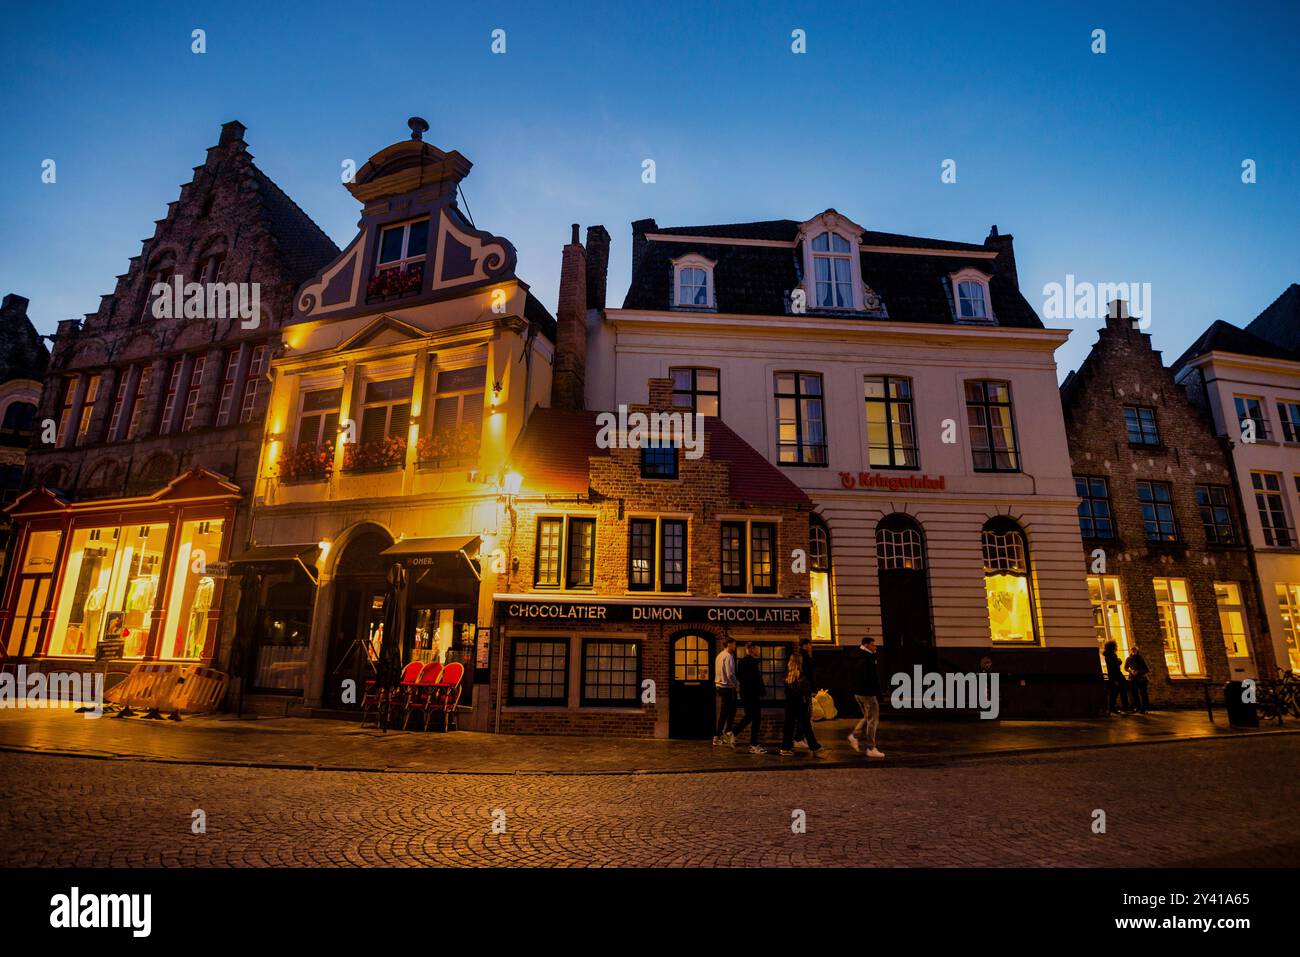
point(306, 463)
point(375, 455)
point(395, 283)
point(448, 448)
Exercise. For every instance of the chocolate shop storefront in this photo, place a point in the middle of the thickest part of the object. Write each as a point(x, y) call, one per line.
point(132, 578)
point(631, 666)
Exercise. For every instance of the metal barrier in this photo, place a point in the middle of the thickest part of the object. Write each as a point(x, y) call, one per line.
point(198, 689)
point(147, 686)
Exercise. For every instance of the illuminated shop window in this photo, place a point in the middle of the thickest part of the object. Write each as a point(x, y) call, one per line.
point(35, 578)
point(190, 628)
point(1006, 582)
point(1232, 619)
point(1288, 601)
point(1178, 628)
point(87, 578)
point(819, 579)
point(1108, 612)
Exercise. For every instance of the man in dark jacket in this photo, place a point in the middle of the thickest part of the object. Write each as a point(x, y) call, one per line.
point(1115, 681)
point(1137, 669)
point(866, 692)
point(752, 690)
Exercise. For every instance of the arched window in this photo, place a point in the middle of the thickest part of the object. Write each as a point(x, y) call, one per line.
point(693, 282)
point(1008, 583)
point(899, 546)
point(161, 269)
point(212, 261)
point(970, 294)
point(819, 579)
point(20, 417)
point(832, 271)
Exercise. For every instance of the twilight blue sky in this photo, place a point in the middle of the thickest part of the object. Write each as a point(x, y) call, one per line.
point(1117, 167)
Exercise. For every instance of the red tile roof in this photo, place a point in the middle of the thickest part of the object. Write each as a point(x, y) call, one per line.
point(552, 456)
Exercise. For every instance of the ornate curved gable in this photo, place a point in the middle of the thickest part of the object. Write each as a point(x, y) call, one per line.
point(405, 182)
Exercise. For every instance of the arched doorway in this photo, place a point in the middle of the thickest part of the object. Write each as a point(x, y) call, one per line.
point(907, 637)
point(690, 692)
point(356, 627)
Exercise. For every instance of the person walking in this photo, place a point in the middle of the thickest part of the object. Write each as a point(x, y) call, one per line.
point(808, 737)
point(724, 680)
point(750, 674)
point(866, 692)
point(1115, 682)
point(1138, 673)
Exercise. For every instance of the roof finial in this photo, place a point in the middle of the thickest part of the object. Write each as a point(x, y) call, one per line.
point(419, 126)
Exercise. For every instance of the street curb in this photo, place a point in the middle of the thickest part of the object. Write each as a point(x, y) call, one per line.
point(920, 760)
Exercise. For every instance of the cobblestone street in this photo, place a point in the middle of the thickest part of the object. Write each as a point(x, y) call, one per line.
point(1179, 803)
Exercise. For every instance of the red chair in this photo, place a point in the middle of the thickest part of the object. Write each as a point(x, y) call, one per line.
point(374, 699)
point(447, 694)
point(418, 697)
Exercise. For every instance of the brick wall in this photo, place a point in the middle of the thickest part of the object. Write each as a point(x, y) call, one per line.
point(1121, 370)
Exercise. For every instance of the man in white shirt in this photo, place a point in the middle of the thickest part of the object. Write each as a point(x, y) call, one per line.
point(724, 680)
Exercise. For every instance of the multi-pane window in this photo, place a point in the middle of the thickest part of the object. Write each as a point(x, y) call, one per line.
point(611, 673)
point(748, 557)
point(1216, 516)
point(1095, 519)
point(772, 660)
point(1108, 612)
point(832, 271)
point(659, 461)
point(119, 405)
point(992, 429)
point(566, 552)
point(169, 401)
point(1288, 602)
point(226, 404)
point(891, 428)
point(1177, 627)
point(1140, 423)
point(1155, 499)
point(403, 245)
point(192, 395)
point(697, 390)
point(899, 549)
point(692, 286)
point(1006, 582)
point(1232, 619)
point(318, 417)
point(539, 671)
point(87, 407)
point(1250, 416)
point(1288, 413)
point(459, 399)
point(800, 419)
point(1272, 509)
point(137, 405)
point(656, 554)
point(255, 384)
point(972, 300)
point(65, 412)
point(386, 410)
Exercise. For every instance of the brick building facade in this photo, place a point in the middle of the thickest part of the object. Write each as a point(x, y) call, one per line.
point(1163, 539)
point(150, 427)
point(614, 577)
point(23, 358)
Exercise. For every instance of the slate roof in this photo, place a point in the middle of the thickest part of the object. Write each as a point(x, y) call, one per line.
point(756, 280)
point(554, 450)
point(304, 247)
point(1280, 322)
point(1225, 337)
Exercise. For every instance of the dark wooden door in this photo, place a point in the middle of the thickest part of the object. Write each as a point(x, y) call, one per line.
point(691, 706)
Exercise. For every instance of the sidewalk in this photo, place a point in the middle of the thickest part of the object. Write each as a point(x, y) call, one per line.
point(322, 744)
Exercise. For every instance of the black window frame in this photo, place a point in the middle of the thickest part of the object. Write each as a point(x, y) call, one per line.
point(889, 405)
point(754, 587)
point(632, 526)
point(549, 520)
point(693, 392)
point(1241, 405)
point(515, 645)
point(572, 522)
point(1146, 430)
point(1276, 535)
point(584, 700)
point(1088, 513)
point(807, 453)
point(664, 584)
point(1290, 423)
point(1155, 503)
point(1216, 516)
point(656, 464)
point(986, 406)
point(741, 558)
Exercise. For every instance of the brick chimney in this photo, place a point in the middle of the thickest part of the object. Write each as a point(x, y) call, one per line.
point(568, 387)
point(1006, 261)
point(232, 132)
point(14, 307)
point(597, 266)
point(639, 228)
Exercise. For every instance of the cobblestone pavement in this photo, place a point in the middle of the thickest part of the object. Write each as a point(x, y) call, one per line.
point(1166, 804)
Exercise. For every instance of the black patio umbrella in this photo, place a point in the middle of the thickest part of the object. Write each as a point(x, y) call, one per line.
point(389, 671)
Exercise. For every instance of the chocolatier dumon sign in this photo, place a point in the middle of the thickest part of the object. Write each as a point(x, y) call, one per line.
point(587, 612)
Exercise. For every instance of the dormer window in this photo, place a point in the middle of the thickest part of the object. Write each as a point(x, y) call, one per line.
point(971, 296)
point(693, 282)
point(832, 271)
